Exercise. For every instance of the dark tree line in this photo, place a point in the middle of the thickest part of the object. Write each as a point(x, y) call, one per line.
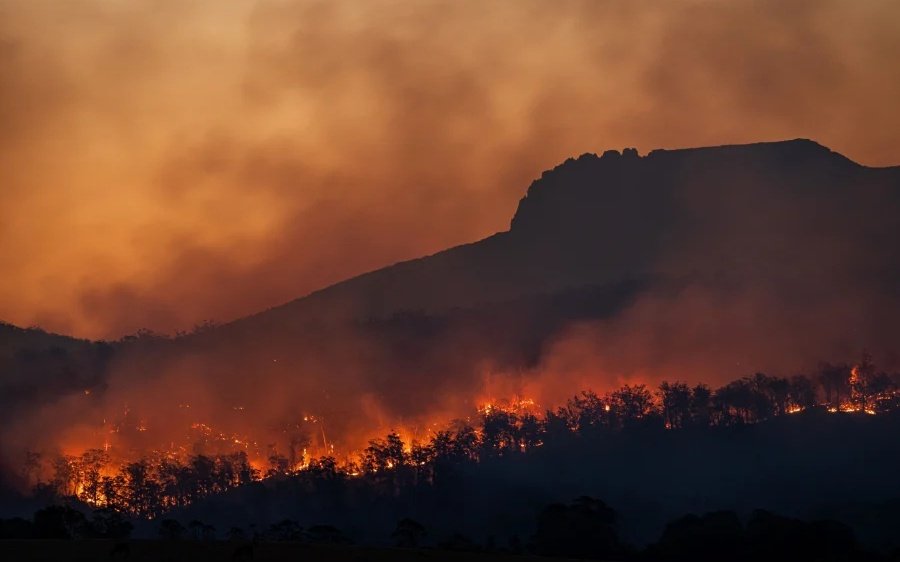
point(764, 536)
point(152, 486)
point(66, 522)
point(147, 487)
point(586, 528)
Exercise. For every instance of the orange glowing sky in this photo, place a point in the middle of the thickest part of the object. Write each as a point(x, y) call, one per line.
point(164, 162)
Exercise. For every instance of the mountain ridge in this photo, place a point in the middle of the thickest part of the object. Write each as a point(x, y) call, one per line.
point(789, 154)
point(543, 222)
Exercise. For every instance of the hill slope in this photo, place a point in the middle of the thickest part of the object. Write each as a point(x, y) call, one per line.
point(601, 219)
point(706, 263)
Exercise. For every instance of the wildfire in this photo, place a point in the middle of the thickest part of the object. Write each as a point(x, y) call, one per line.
point(120, 453)
point(514, 406)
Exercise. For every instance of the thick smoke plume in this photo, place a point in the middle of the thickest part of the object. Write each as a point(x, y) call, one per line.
point(169, 162)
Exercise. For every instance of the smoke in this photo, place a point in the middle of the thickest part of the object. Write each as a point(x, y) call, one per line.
point(167, 163)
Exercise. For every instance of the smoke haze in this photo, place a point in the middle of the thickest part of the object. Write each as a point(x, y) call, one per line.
point(700, 265)
point(167, 162)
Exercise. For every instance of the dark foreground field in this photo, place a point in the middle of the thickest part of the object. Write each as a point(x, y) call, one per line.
point(193, 551)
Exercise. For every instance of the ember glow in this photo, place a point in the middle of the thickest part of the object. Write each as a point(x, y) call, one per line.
point(122, 464)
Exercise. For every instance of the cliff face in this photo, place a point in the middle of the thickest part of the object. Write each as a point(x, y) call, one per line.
point(792, 208)
point(623, 189)
point(770, 206)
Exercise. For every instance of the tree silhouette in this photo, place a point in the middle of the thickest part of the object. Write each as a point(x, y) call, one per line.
point(631, 404)
point(384, 454)
point(675, 399)
point(584, 529)
point(60, 522)
point(706, 538)
point(326, 534)
point(142, 489)
point(466, 443)
point(196, 529)
point(279, 465)
point(172, 530)
point(236, 534)
point(285, 530)
point(499, 432)
point(408, 533)
point(773, 537)
point(107, 523)
point(772, 395)
point(91, 465)
point(530, 432)
point(701, 406)
point(586, 413)
point(834, 380)
point(802, 392)
point(31, 468)
point(17, 528)
point(736, 402)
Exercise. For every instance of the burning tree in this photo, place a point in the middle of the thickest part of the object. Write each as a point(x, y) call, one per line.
point(162, 480)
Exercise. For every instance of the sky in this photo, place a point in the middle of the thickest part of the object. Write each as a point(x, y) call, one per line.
point(167, 162)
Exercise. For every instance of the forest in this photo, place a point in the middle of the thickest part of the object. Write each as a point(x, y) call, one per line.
point(521, 468)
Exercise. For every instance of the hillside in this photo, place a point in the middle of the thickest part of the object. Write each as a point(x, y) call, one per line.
point(603, 219)
point(697, 264)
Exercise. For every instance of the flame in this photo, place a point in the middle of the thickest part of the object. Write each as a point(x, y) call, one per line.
point(302, 441)
point(516, 405)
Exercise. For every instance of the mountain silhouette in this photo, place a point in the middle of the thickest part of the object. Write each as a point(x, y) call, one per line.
point(606, 219)
point(696, 263)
